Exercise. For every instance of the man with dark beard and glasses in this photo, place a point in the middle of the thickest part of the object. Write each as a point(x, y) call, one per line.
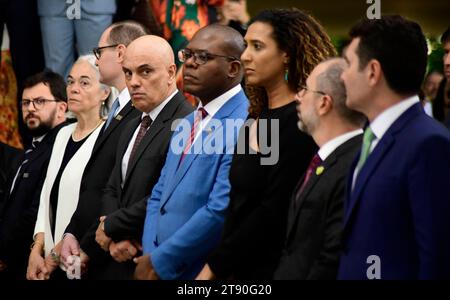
point(44, 103)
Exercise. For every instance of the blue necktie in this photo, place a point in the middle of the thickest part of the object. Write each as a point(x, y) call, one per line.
point(111, 114)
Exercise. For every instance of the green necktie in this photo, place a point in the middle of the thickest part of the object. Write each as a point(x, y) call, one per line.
point(369, 136)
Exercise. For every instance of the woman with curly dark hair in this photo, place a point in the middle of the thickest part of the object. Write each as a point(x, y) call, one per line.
point(283, 47)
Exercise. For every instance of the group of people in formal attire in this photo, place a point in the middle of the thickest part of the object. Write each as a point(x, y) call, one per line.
point(357, 189)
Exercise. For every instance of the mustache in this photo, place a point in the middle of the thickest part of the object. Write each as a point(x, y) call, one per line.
point(31, 115)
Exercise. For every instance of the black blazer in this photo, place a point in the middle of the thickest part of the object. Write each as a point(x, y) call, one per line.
point(315, 222)
point(9, 161)
point(19, 210)
point(256, 218)
point(125, 207)
point(97, 172)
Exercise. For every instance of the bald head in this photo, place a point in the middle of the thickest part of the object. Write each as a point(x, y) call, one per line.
point(151, 45)
point(149, 68)
point(328, 77)
point(230, 40)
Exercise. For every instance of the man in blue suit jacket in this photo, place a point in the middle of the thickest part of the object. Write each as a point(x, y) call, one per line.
point(397, 213)
point(185, 212)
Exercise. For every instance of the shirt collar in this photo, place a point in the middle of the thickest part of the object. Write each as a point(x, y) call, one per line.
point(213, 107)
point(334, 143)
point(382, 123)
point(155, 112)
point(39, 138)
point(124, 97)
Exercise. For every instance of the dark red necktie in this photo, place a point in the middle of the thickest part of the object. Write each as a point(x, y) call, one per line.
point(200, 114)
point(145, 124)
point(315, 162)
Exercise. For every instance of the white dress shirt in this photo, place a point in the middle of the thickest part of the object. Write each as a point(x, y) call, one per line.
point(124, 98)
point(331, 145)
point(153, 115)
point(213, 107)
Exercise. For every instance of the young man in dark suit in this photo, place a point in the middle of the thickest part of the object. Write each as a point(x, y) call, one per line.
point(149, 68)
point(313, 242)
point(110, 55)
point(44, 104)
point(396, 219)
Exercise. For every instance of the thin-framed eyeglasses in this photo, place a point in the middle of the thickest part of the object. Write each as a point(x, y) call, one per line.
point(303, 89)
point(200, 57)
point(98, 50)
point(37, 103)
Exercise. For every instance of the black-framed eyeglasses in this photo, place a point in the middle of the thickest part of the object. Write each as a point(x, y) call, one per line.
point(98, 50)
point(200, 57)
point(304, 88)
point(37, 103)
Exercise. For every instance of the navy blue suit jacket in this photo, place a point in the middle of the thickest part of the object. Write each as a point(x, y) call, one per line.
point(399, 209)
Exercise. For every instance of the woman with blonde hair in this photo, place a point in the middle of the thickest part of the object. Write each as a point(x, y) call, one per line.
point(70, 154)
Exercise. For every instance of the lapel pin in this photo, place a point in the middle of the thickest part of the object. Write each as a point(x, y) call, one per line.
point(319, 170)
point(26, 175)
point(118, 117)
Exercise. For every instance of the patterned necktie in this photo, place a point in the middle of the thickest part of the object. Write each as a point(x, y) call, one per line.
point(145, 124)
point(112, 112)
point(27, 154)
point(315, 162)
point(200, 114)
point(26, 157)
point(369, 137)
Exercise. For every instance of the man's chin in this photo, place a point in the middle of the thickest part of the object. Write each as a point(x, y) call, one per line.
point(38, 131)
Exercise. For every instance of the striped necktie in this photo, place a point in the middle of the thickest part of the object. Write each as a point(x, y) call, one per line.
point(199, 116)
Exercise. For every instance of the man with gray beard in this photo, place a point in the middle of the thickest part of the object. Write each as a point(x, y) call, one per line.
point(313, 241)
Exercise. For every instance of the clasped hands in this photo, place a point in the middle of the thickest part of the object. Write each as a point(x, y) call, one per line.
point(121, 251)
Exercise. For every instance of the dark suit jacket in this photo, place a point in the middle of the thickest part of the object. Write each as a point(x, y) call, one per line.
point(9, 161)
point(97, 172)
point(313, 241)
point(125, 206)
point(396, 218)
point(19, 212)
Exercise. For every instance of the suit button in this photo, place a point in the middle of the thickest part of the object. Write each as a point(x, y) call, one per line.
point(162, 211)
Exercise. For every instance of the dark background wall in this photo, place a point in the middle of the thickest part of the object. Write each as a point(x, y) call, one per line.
point(337, 16)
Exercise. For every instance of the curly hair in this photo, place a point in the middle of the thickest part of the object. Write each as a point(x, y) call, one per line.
point(302, 38)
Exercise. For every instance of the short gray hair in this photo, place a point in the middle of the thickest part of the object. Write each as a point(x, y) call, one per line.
point(90, 59)
point(330, 82)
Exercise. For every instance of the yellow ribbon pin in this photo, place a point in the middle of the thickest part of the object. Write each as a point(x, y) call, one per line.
point(319, 170)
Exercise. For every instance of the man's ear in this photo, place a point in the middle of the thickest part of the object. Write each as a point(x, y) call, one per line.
point(62, 109)
point(373, 72)
point(120, 53)
point(172, 70)
point(325, 105)
point(234, 69)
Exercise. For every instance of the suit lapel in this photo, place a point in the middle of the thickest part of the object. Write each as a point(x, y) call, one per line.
point(375, 158)
point(46, 145)
point(224, 112)
point(366, 172)
point(296, 208)
point(157, 126)
point(114, 123)
point(328, 164)
point(152, 132)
